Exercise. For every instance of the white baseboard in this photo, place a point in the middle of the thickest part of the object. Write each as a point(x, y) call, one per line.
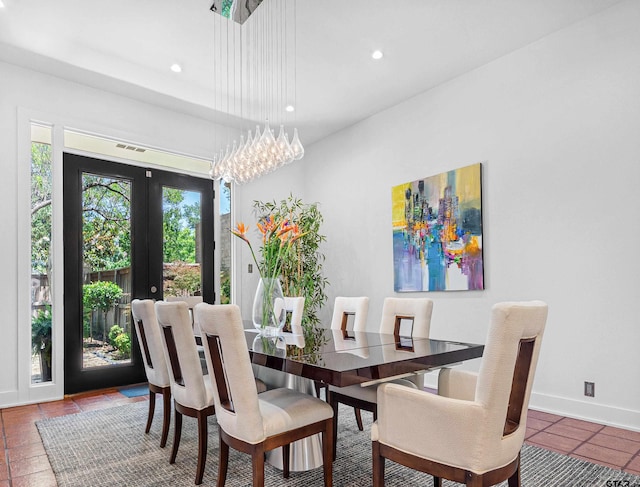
point(586, 410)
point(572, 408)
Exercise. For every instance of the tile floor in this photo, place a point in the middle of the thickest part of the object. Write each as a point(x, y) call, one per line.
point(25, 464)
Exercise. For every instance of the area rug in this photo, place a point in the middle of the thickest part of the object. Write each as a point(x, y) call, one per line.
point(109, 448)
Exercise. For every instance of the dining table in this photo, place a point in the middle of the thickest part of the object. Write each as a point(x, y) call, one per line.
point(342, 358)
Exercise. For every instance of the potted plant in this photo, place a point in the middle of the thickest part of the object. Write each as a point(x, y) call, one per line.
point(41, 341)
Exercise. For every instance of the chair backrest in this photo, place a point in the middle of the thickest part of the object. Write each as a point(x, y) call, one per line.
point(295, 306)
point(191, 302)
point(148, 333)
point(181, 354)
point(234, 388)
point(508, 367)
point(346, 310)
point(409, 317)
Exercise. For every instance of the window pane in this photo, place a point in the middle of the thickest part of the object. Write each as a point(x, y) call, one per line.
point(41, 342)
point(225, 243)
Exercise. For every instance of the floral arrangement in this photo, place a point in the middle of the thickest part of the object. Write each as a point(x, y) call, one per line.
point(278, 238)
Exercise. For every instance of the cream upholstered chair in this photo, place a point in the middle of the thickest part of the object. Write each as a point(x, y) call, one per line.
point(346, 310)
point(249, 422)
point(475, 427)
point(192, 394)
point(410, 317)
point(191, 302)
point(155, 365)
point(295, 306)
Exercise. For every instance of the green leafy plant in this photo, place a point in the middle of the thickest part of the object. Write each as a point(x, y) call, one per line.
point(225, 288)
point(123, 343)
point(41, 340)
point(101, 296)
point(113, 333)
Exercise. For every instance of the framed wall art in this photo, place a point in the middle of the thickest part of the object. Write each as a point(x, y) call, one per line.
point(437, 232)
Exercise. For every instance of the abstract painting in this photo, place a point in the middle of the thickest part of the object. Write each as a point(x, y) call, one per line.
point(437, 232)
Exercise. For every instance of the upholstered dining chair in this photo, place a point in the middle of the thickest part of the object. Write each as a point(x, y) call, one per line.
point(155, 365)
point(349, 313)
point(350, 310)
point(192, 394)
point(191, 302)
point(295, 307)
point(248, 422)
point(475, 426)
point(409, 317)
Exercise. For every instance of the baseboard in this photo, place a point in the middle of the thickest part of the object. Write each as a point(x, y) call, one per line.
point(586, 410)
point(572, 408)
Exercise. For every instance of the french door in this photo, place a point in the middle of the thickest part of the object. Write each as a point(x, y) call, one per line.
point(129, 233)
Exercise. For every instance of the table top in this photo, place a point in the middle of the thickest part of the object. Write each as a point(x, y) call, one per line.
point(345, 358)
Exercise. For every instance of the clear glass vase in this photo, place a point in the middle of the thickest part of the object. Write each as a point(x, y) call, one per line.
point(268, 307)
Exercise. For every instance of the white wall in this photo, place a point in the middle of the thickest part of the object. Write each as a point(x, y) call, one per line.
point(25, 93)
point(557, 126)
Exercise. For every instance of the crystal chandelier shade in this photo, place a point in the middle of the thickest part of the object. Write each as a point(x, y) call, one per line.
point(254, 66)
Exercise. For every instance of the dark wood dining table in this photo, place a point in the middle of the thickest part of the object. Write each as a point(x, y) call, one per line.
point(342, 358)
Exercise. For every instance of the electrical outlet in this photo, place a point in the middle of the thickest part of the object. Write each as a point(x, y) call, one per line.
point(250, 270)
point(589, 389)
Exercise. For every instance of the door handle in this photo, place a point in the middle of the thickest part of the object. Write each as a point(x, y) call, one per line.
point(154, 289)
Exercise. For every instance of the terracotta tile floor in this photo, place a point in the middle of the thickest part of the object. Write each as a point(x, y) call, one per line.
point(25, 464)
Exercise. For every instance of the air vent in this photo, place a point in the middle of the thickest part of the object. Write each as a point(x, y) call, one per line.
point(130, 147)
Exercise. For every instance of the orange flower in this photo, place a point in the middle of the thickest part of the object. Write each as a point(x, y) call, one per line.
point(267, 227)
point(241, 231)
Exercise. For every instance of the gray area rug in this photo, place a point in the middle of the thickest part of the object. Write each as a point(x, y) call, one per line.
point(109, 448)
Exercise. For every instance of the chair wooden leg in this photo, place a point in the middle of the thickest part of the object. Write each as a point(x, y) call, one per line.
point(166, 416)
point(327, 453)
point(358, 414)
point(286, 449)
point(437, 482)
point(257, 461)
point(514, 480)
point(176, 436)
point(223, 462)
point(202, 446)
point(334, 404)
point(474, 481)
point(152, 408)
point(378, 465)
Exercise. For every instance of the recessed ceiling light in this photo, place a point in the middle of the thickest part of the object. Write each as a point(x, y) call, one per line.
point(289, 108)
point(377, 54)
point(176, 68)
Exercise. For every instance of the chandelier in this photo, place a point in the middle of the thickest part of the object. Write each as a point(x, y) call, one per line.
point(254, 65)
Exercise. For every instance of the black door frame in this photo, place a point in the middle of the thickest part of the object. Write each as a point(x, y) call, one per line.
point(146, 252)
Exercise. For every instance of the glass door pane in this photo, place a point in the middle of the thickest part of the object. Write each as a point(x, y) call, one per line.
point(181, 243)
point(106, 271)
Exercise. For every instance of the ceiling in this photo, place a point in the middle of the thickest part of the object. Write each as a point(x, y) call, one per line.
point(128, 46)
